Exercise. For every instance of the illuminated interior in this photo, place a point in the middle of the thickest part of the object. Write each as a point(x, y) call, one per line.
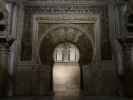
point(66, 70)
point(66, 53)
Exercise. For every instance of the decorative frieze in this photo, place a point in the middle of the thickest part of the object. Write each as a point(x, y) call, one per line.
point(65, 9)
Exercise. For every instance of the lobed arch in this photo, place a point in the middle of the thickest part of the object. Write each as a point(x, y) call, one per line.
point(48, 46)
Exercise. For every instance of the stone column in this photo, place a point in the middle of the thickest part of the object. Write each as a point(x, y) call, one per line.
point(5, 43)
point(4, 66)
point(3, 69)
point(116, 25)
point(127, 78)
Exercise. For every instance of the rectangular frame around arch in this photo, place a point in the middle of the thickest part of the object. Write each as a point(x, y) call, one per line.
point(66, 19)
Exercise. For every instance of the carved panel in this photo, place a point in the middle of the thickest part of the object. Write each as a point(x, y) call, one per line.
point(26, 43)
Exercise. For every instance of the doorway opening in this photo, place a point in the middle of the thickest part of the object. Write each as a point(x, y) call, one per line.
point(66, 70)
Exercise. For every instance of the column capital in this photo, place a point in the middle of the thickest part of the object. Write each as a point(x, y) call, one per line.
point(126, 42)
point(6, 42)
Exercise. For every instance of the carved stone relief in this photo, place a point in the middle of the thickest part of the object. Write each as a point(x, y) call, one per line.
point(102, 11)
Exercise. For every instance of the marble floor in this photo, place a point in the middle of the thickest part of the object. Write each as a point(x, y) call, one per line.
point(66, 79)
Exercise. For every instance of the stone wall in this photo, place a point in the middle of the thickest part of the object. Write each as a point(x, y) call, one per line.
point(100, 80)
point(33, 81)
point(34, 77)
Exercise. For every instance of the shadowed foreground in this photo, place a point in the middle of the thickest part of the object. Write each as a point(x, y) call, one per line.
point(64, 98)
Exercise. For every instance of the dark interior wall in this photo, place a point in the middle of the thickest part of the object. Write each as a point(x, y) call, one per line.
point(23, 80)
point(100, 80)
point(126, 78)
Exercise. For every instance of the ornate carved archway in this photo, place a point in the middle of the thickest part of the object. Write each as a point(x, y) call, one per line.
point(50, 39)
point(51, 30)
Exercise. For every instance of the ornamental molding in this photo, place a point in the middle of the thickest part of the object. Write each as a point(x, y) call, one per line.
point(63, 2)
point(65, 9)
